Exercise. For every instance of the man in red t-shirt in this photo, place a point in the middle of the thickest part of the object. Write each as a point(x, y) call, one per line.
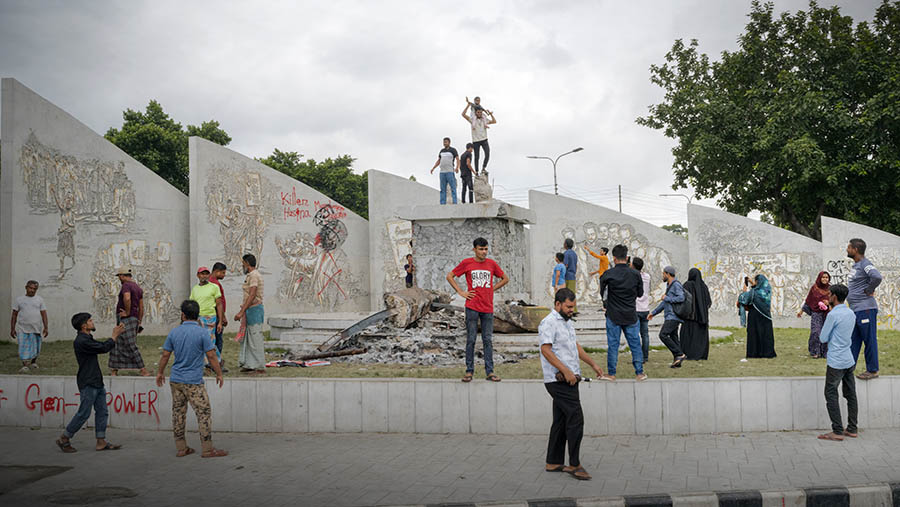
point(480, 272)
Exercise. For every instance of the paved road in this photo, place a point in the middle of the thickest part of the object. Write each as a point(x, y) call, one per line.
point(386, 469)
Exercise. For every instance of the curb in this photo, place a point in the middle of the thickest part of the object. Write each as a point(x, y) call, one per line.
point(877, 494)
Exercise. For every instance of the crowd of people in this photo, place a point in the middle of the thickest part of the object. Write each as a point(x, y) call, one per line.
point(467, 165)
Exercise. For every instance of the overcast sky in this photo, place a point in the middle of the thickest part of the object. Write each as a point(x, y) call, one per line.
point(385, 81)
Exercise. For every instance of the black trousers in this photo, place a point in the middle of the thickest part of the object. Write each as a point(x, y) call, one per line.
point(833, 377)
point(487, 153)
point(467, 184)
point(669, 336)
point(568, 424)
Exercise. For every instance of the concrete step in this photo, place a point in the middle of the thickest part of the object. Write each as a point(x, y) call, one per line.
point(331, 321)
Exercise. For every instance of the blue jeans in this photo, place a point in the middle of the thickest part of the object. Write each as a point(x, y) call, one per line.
point(645, 335)
point(448, 179)
point(219, 343)
point(487, 335)
point(91, 397)
point(632, 336)
point(866, 333)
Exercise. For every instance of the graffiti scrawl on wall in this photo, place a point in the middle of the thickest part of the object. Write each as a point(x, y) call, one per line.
point(243, 205)
point(733, 252)
point(80, 191)
point(591, 237)
point(150, 267)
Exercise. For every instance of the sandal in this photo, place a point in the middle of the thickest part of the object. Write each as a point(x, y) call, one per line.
point(554, 468)
point(65, 446)
point(184, 452)
point(831, 436)
point(851, 435)
point(578, 472)
point(678, 360)
point(493, 377)
point(110, 447)
point(215, 453)
point(467, 377)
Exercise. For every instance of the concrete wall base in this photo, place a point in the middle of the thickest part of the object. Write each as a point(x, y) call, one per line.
point(670, 406)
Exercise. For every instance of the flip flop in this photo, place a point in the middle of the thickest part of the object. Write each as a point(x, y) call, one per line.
point(65, 446)
point(578, 472)
point(851, 435)
point(493, 378)
point(110, 447)
point(556, 468)
point(215, 453)
point(831, 436)
point(467, 377)
point(184, 452)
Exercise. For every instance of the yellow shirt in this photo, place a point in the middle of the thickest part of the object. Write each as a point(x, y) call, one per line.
point(206, 296)
point(604, 262)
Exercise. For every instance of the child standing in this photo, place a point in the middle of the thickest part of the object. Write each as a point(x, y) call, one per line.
point(558, 279)
point(28, 325)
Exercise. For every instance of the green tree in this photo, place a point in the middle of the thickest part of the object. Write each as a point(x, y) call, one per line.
point(333, 177)
point(803, 119)
point(156, 140)
point(677, 229)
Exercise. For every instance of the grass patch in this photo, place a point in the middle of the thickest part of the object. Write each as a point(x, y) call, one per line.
point(725, 356)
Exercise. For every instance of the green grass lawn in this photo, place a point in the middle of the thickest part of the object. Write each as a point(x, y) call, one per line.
point(725, 357)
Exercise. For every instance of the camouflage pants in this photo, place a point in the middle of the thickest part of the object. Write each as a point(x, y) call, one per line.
point(195, 394)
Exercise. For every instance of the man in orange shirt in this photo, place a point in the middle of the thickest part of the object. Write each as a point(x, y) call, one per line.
point(604, 260)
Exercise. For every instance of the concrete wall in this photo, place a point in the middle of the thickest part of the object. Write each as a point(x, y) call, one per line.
point(728, 247)
point(882, 249)
point(311, 251)
point(593, 227)
point(73, 209)
point(683, 406)
point(389, 236)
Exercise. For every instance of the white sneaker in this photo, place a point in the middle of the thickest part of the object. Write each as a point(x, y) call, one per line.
point(34, 366)
point(25, 369)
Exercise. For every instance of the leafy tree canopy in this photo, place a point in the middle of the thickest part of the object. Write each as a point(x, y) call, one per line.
point(156, 140)
point(333, 177)
point(803, 119)
point(677, 229)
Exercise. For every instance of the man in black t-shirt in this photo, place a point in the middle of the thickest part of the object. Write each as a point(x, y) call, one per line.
point(448, 159)
point(465, 172)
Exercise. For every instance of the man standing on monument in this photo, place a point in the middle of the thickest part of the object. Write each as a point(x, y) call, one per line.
point(560, 355)
point(570, 259)
point(622, 285)
point(479, 126)
point(130, 313)
point(448, 159)
point(480, 272)
point(465, 174)
point(862, 282)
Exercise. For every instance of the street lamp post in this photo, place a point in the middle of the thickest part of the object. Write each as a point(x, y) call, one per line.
point(554, 161)
point(677, 195)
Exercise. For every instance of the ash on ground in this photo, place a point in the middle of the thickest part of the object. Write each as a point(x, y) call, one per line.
point(437, 339)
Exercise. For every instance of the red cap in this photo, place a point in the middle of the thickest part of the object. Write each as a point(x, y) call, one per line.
point(202, 269)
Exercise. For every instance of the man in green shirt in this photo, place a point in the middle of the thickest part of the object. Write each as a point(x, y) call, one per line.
point(209, 297)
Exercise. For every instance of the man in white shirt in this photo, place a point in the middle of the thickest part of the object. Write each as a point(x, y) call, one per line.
point(642, 305)
point(479, 132)
point(560, 354)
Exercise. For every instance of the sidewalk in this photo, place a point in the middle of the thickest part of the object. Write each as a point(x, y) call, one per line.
point(389, 469)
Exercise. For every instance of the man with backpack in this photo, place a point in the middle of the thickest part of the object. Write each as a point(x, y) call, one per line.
point(676, 306)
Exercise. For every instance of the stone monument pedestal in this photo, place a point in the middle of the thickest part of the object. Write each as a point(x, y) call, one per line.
point(442, 236)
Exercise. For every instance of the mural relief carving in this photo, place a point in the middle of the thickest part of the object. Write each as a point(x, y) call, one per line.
point(81, 191)
point(318, 269)
point(244, 204)
point(396, 239)
point(887, 261)
point(149, 267)
point(596, 236)
point(735, 252)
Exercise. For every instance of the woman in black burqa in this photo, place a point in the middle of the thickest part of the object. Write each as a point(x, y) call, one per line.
point(695, 330)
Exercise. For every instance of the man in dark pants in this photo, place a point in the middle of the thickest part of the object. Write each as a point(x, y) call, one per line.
point(837, 332)
point(669, 332)
point(622, 286)
point(479, 272)
point(560, 354)
point(465, 173)
point(218, 274)
point(91, 391)
point(862, 282)
point(642, 305)
point(570, 259)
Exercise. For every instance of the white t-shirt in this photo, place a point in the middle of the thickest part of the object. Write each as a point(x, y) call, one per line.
point(642, 304)
point(559, 333)
point(29, 318)
point(479, 128)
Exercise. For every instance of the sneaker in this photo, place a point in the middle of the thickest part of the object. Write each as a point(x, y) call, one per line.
point(640, 378)
point(25, 369)
point(868, 375)
point(34, 366)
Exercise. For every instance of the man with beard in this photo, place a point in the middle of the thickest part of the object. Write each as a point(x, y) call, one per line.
point(560, 355)
point(862, 282)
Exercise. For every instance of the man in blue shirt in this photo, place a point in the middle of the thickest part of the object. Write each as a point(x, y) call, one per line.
point(837, 332)
point(558, 278)
point(570, 259)
point(862, 282)
point(190, 343)
point(669, 332)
